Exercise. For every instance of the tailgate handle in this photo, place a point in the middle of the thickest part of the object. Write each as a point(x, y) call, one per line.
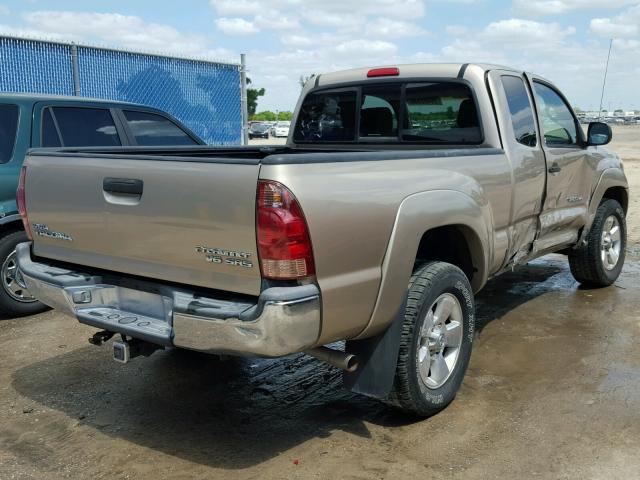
point(129, 186)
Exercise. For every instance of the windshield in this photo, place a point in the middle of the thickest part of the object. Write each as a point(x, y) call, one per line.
point(259, 127)
point(425, 113)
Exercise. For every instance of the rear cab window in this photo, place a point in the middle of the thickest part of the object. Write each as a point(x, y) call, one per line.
point(150, 129)
point(438, 113)
point(9, 115)
point(78, 127)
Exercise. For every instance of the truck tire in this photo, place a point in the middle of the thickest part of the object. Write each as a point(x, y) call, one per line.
point(436, 339)
point(15, 299)
point(599, 262)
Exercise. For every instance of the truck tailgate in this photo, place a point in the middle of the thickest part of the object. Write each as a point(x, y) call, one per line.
point(193, 223)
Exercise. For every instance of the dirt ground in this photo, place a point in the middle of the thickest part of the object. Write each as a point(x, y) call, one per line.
point(553, 391)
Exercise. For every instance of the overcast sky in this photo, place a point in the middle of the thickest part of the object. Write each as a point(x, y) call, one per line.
point(563, 40)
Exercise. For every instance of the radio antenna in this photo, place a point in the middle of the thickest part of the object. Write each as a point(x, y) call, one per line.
point(604, 82)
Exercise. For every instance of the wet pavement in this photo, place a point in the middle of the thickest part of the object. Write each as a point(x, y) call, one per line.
point(552, 391)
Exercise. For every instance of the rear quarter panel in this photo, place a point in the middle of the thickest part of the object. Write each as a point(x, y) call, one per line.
point(351, 208)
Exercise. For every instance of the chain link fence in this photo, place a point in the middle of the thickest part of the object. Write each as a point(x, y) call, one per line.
point(204, 95)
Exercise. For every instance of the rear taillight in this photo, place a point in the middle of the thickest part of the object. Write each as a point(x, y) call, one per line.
point(22, 203)
point(284, 245)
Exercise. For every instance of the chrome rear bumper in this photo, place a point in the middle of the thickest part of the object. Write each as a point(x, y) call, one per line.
point(281, 321)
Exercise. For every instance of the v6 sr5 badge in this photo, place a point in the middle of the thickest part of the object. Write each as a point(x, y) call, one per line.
point(225, 257)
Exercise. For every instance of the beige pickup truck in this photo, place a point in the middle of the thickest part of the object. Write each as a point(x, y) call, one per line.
point(400, 192)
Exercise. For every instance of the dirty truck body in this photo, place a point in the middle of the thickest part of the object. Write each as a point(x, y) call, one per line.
point(400, 192)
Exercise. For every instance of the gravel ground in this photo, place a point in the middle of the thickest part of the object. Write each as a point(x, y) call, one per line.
point(553, 391)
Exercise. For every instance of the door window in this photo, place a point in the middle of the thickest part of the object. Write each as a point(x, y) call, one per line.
point(524, 125)
point(150, 129)
point(558, 123)
point(86, 127)
point(8, 130)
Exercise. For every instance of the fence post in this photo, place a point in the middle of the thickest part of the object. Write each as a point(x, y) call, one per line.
point(243, 100)
point(75, 69)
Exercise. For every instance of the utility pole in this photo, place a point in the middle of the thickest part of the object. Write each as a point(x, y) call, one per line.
point(243, 100)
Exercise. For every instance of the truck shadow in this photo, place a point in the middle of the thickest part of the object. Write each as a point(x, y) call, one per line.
point(237, 413)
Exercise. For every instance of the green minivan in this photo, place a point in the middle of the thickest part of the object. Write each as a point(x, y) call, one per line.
point(34, 120)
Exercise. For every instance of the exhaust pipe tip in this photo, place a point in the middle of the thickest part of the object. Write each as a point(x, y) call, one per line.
point(336, 358)
point(351, 363)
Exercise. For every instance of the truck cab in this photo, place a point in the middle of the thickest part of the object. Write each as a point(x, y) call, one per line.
point(49, 121)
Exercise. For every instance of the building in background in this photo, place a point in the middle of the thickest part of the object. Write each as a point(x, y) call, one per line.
point(204, 95)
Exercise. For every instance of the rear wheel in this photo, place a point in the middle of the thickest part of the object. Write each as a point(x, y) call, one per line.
point(435, 344)
point(599, 262)
point(15, 298)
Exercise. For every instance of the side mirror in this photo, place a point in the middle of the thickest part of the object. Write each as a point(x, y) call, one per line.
point(599, 134)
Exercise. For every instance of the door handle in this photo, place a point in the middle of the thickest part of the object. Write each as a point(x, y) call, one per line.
point(554, 168)
point(130, 186)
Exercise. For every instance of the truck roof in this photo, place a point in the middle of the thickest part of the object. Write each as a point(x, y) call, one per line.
point(414, 70)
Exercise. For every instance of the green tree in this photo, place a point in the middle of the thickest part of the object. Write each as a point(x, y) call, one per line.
point(252, 98)
point(268, 116)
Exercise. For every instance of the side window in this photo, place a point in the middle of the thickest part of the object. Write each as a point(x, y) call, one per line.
point(379, 111)
point(86, 127)
point(50, 136)
point(524, 125)
point(558, 123)
point(150, 129)
point(8, 129)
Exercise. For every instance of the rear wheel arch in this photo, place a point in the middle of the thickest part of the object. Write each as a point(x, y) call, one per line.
point(453, 211)
point(456, 244)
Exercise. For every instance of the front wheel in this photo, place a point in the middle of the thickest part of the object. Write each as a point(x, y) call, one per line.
point(599, 262)
point(436, 339)
point(15, 298)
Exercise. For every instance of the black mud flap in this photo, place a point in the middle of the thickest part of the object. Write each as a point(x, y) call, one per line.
point(377, 361)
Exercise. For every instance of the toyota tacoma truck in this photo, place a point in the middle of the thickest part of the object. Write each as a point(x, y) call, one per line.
point(35, 120)
point(400, 192)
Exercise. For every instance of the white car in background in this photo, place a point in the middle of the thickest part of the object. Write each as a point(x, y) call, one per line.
point(281, 129)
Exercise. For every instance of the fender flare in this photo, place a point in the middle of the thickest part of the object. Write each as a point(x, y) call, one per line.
point(610, 177)
point(413, 220)
point(378, 344)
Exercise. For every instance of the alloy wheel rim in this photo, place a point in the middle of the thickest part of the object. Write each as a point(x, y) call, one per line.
point(440, 341)
point(13, 282)
point(610, 243)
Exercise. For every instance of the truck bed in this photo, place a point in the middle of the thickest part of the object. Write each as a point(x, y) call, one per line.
point(195, 205)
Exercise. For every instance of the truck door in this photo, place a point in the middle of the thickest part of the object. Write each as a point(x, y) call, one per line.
point(565, 206)
point(521, 141)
